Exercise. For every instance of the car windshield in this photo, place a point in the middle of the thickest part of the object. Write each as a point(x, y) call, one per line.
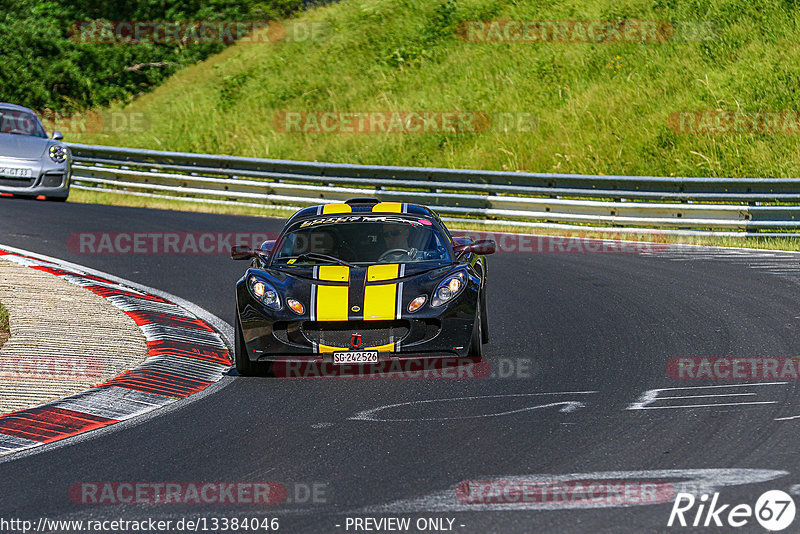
point(13, 121)
point(381, 240)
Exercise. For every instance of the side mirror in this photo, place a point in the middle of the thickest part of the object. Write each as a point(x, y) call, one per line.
point(484, 246)
point(57, 135)
point(241, 252)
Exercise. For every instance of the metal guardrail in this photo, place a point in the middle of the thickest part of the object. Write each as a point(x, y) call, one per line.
point(616, 201)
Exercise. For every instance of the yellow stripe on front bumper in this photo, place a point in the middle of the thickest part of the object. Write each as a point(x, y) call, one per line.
point(383, 348)
point(336, 208)
point(380, 301)
point(332, 300)
point(390, 207)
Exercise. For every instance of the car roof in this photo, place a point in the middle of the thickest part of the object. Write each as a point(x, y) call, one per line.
point(16, 107)
point(363, 205)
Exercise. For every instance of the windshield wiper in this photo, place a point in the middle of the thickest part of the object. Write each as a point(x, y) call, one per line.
point(316, 256)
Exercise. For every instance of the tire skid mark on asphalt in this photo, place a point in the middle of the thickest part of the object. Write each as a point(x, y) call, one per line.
point(543, 490)
point(782, 263)
point(185, 356)
point(564, 407)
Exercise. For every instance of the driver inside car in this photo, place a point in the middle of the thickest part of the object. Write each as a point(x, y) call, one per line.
point(396, 237)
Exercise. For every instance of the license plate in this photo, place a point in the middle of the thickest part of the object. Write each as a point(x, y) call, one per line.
point(15, 172)
point(361, 356)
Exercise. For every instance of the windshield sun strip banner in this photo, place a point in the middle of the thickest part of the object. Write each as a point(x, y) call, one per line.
point(380, 207)
point(382, 218)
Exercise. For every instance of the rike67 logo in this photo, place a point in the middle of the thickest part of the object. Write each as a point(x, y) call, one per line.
point(774, 510)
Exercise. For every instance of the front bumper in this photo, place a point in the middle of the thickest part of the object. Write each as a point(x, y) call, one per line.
point(47, 178)
point(429, 333)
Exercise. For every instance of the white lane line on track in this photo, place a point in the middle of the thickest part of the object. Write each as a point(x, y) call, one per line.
point(703, 405)
point(651, 396)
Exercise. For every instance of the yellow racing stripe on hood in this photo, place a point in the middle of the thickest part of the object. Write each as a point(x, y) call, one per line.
point(336, 208)
point(332, 300)
point(380, 301)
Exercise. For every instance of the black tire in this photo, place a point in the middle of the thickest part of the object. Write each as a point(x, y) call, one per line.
point(243, 364)
point(484, 318)
point(475, 344)
point(57, 199)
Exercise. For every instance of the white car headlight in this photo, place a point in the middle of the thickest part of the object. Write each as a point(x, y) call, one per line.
point(58, 153)
point(448, 289)
point(264, 293)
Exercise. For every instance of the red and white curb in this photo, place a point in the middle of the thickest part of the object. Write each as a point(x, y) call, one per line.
point(185, 355)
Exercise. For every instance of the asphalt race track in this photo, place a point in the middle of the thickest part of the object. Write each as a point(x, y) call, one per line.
point(585, 336)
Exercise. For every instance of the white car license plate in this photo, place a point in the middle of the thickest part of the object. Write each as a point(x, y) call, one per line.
point(361, 356)
point(15, 172)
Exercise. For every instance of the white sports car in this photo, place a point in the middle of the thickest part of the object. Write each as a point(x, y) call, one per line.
point(31, 163)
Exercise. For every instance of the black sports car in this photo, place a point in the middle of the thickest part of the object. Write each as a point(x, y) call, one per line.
point(359, 282)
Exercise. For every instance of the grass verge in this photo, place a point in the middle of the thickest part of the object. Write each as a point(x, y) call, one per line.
point(585, 107)
point(4, 326)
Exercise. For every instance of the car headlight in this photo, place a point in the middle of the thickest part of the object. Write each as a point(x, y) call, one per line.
point(448, 289)
point(264, 293)
point(58, 153)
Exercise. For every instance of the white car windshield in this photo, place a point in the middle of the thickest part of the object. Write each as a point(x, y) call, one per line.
point(406, 241)
point(13, 121)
